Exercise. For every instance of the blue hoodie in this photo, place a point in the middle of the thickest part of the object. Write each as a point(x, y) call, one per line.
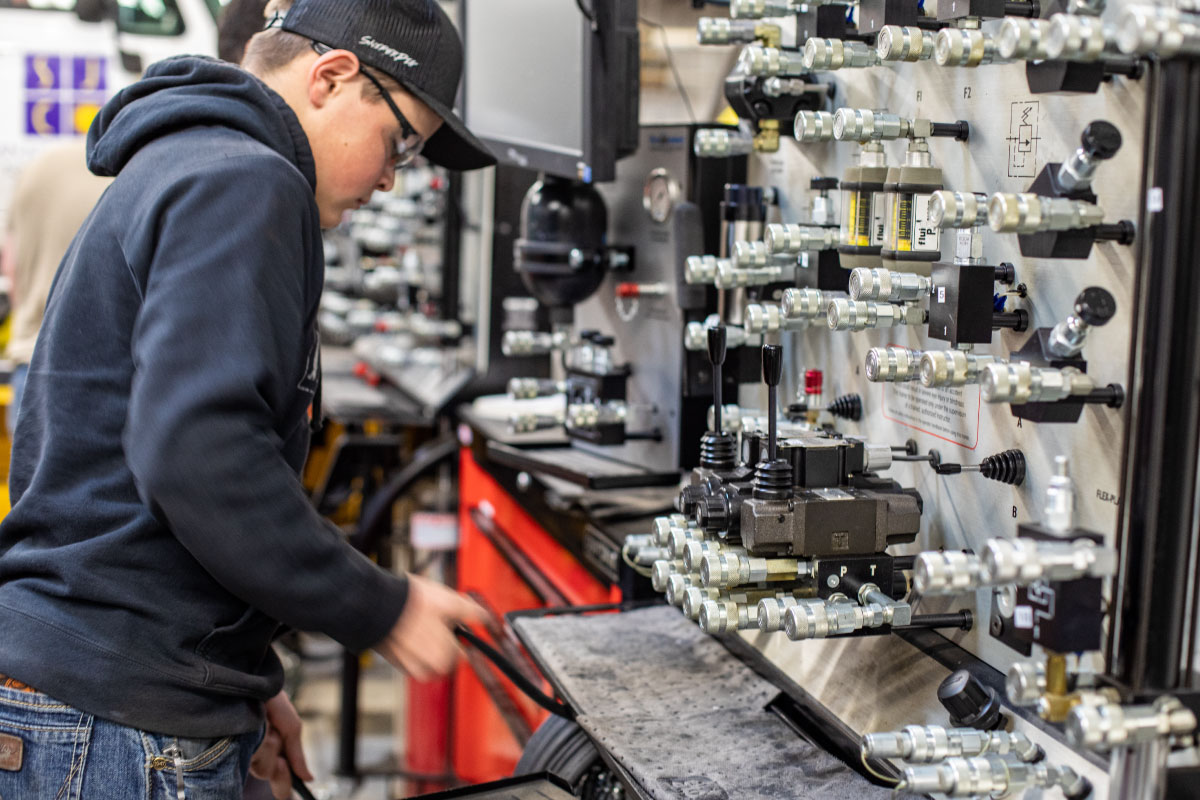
point(159, 533)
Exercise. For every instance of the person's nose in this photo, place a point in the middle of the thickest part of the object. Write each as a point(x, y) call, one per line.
point(388, 179)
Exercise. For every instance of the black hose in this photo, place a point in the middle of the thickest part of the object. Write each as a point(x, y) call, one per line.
point(513, 674)
point(301, 788)
point(377, 514)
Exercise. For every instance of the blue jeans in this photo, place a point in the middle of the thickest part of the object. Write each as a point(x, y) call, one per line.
point(66, 754)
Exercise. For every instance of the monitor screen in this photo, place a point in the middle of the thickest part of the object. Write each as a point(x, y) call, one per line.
point(526, 87)
point(539, 91)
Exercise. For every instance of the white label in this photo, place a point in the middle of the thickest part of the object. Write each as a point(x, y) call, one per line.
point(429, 531)
point(833, 494)
point(964, 242)
point(1154, 199)
point(878, 218)
point(950, 414)
point(941, 294)
point(925, 235)
point(1023, 617)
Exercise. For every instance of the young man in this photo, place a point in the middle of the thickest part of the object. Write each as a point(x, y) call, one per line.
point(159, 533)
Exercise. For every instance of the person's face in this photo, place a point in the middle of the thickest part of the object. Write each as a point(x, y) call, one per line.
point(354, 135)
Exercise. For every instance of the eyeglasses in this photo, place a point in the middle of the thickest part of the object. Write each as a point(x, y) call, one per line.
point(410, 143)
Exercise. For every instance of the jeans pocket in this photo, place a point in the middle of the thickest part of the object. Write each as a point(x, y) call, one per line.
point(199, 753)
point(43, 752)
point(206, 769)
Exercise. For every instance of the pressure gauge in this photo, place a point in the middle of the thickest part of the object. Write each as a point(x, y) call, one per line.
point(660, 195)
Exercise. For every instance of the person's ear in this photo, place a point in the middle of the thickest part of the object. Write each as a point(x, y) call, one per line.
point(331, 73)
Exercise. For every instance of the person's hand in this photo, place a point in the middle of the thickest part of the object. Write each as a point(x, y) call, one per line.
point(280, 753)
point(422, 641)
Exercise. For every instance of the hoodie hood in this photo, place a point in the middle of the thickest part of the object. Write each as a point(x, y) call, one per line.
point(190, 91)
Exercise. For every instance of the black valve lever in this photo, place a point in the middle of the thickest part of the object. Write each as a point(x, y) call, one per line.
point(718, 450)
point(1007, 467)
point(716, 355)
point(772, 363)
point(773, 475)
point(848, 406)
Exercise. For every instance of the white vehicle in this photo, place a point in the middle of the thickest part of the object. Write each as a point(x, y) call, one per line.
point(60, 62)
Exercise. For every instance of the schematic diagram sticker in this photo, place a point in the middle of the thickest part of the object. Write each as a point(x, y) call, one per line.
point(949, 414)
point(1023, 138)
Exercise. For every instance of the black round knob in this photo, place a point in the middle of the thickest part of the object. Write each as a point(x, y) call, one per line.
point(822, 184)
point(689, 497)
point(970, 703)
point(1101, 139)
point(601, 340)
point(716, 345)
point(772, 360)
point(588, 334)
point(712, 513)
point(1095, 305)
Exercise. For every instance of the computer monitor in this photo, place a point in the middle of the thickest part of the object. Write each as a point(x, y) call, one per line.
point(552, 85)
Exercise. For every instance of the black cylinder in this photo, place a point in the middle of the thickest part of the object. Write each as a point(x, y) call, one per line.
point(960, 130)
point(1121, 232)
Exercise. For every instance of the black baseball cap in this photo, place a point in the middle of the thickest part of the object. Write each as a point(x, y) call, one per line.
point(414, 42)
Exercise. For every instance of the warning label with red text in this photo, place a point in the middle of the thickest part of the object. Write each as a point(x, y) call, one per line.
point(949, 414)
